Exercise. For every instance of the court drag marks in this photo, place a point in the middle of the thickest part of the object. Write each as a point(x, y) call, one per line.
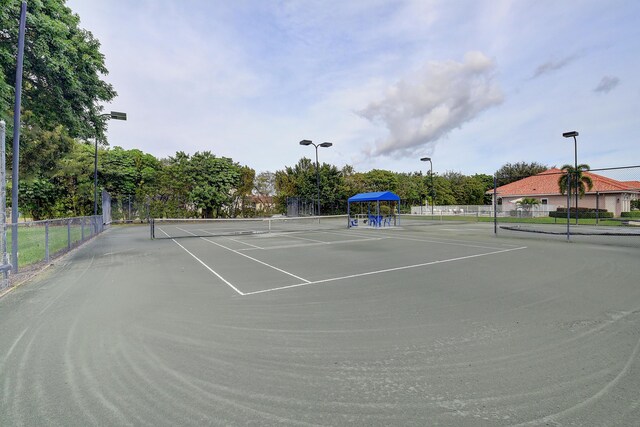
point(428, 325)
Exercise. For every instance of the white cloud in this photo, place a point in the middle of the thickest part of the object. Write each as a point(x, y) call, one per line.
point(420, 109)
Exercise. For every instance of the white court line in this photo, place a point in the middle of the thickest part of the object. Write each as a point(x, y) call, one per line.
point(205, 265)
point(244, 243)
point(442, 241)
point(256, 260)
point(407, 267)
point(310, 240)
point(306, 245)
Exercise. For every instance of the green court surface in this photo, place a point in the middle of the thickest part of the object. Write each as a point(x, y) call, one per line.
point(441, 324)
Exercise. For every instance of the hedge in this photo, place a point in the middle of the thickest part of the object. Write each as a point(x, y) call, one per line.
point(590, 214)
point(632, 214)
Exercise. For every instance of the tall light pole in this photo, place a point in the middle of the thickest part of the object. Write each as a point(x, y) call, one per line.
point(431, 192)
point(575, 171)
point(115, 115)
point(324, 145)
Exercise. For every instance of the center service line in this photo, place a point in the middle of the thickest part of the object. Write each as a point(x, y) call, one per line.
point(256, 260)
point(406, 267)
point(205, 265)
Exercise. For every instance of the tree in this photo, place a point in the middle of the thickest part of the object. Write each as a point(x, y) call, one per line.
point(242, 193)
point(511, 172)
point(63, 67)
point(578, 179)
point(527, 203)
point(381, 180)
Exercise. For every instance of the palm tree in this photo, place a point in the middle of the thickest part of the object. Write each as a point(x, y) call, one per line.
point(579, 182)
point(527, 203)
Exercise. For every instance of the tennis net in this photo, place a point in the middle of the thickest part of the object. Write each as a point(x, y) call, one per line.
point(170, 228)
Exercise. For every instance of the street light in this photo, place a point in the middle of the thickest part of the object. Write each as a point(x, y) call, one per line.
point(324, 145)
point(115, 115)
point(573, 135)
point(432, 192)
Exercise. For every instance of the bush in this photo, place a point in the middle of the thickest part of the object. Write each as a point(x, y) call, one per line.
point(585, 213)
point(632, 214)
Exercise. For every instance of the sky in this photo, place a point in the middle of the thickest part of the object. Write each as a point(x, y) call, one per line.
point(471, 84)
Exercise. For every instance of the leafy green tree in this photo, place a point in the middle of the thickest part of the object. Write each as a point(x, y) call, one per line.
point(38, 198)
point(243, 192)
point(300, 181)
point(381, 180)
point(63, 68)
point(74, 176)
point(443, 190)
point(511, 172)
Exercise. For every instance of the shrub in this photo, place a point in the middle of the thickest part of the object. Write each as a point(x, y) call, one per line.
point(632, 214)
point(585, 213)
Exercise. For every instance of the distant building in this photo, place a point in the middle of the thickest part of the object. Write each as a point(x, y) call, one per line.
point(261, 203)
point(606, 193)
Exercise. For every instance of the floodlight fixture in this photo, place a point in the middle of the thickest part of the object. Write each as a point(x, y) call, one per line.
point(426, 159)
point(118, 115)
point(326, 144)
point(573, 134)
point(305, 142)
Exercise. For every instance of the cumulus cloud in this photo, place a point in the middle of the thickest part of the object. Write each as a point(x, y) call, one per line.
point(553, 65)
point(422, 108)
point(607, 84)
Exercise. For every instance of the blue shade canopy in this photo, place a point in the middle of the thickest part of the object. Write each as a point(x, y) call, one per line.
point(378, 196)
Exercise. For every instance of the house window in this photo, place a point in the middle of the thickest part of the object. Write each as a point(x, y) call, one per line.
point(544, 201)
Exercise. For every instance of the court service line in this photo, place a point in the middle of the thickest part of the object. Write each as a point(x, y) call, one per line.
point(443, 240)
point(387, 270)
point(247, 256)
point(256, 260)
point(244, 243)
point(322, 242)
point(306, 245)
point(206, 266)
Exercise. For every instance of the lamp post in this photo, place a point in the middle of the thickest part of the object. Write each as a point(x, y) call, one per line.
point(432, 192)
point(324, 145)
point(115, 115)
point(575, 171)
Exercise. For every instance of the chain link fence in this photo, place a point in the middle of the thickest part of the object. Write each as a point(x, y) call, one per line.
point(41, 241)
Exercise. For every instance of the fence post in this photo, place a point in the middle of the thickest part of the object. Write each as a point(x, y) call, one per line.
point(597, 208)
point(82, 230)
point(69, 234)
point(568, 204)
point(46, 241)
point(495, 204)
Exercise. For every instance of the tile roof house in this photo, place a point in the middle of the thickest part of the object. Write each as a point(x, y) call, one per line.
point(606, 193)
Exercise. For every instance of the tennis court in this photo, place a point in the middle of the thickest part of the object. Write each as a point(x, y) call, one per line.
point(409, 325)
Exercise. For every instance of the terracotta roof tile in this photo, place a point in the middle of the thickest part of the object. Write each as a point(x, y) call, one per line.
point(546, 183)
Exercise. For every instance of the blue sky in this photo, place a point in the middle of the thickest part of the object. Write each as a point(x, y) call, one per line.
point(472, 84)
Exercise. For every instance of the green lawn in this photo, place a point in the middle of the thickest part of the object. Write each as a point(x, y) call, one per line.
point(31, 241)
